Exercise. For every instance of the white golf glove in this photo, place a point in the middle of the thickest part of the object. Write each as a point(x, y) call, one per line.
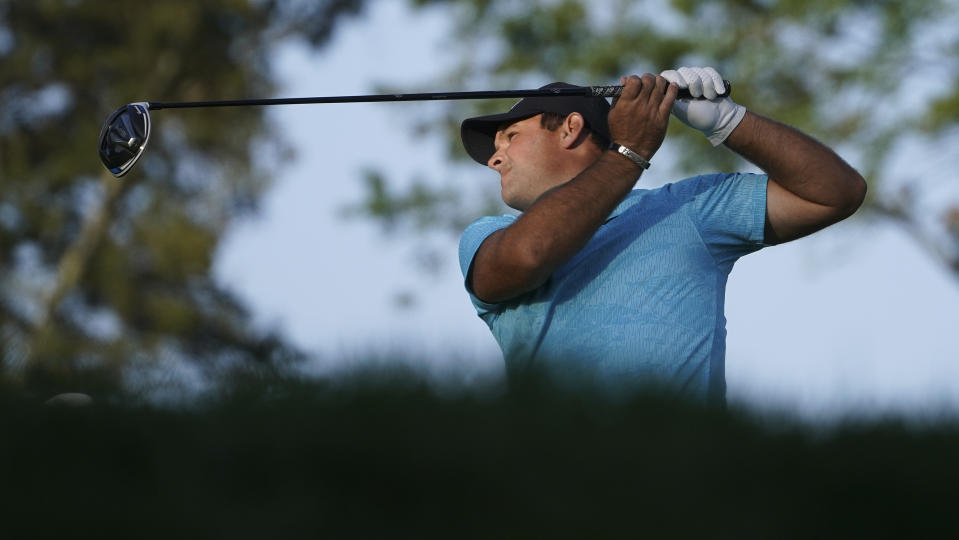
point(716, 117)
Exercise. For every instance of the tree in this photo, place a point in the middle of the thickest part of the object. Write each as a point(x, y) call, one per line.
point(875, 79)
point(99, 275)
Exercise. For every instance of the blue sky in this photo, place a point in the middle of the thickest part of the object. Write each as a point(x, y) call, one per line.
point(855, 319)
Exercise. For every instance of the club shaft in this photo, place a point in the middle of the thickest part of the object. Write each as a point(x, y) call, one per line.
point(584, 91)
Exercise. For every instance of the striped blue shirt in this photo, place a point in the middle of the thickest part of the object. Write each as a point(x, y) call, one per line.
point(642, 302)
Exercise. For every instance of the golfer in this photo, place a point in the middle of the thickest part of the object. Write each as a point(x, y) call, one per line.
point(597, 282)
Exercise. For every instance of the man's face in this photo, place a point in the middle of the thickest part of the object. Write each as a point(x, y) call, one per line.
point(524, 159)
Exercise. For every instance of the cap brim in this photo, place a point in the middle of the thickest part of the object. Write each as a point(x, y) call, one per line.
point(479, 133)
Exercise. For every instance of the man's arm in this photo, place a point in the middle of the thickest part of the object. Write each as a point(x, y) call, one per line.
point(521, 257)
point(810, 187)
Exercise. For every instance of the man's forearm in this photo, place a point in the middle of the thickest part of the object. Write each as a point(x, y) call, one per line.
point(553, 229)
point(797, 162)
point(564, 218)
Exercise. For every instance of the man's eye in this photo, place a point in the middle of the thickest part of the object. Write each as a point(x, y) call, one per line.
point(510, 135)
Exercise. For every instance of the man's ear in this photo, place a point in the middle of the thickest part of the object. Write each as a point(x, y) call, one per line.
point(573, 130)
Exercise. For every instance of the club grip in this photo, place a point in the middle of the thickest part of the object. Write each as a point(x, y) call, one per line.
point(615, 91)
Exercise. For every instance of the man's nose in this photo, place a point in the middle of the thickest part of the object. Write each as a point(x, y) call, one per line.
point(495, 161)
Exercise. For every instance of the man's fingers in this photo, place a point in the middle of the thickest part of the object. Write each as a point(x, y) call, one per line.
point(622, 82)
point(694, 81)
point(664, 96)
point(714, 83)
point(631, 87)
point(644, 87)
point(672, 91)
point(655, 90)
point(703, 82)
point(674, 77)
point(661, 84)
point(648, 84)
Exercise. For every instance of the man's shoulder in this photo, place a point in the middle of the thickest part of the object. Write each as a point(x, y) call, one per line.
point(688, 185)
point(702, 195)
point(707, 187)
point(704, 182)
point(698, 183)
point(487, 225)
point(492, 220)
point(677, 192)
point(477, 231)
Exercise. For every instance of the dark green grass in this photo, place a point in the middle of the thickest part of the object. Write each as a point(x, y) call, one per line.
point(383, 457)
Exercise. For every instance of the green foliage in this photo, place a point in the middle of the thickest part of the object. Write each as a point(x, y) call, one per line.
point(943, 112)
point(420, 204)
point(98, 273)
point(387, 455)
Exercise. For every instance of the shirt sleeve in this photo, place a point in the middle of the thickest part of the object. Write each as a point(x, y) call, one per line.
point(730, 212)
point(472, 239)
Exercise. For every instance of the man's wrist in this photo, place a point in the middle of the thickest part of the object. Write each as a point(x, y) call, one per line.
point(732, 116)
point(629, 154)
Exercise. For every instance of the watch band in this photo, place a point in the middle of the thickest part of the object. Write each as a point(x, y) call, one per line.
point(633, 156)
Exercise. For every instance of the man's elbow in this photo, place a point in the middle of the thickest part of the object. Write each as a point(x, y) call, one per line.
point(855, 193)
point(500, 273)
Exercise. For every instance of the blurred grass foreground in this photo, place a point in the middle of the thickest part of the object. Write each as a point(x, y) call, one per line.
point(390, 455)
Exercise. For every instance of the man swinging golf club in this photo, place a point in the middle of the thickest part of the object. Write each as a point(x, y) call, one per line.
point(595, 282)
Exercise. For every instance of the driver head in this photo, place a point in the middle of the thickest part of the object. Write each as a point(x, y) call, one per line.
point(124, 136)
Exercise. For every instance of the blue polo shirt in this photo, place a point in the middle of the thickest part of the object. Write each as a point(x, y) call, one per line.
point(642, 302)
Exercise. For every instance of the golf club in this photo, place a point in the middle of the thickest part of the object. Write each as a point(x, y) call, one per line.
point(126, 132)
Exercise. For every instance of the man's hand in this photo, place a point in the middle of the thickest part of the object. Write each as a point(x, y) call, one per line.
point(716, 117)
point(640, 115)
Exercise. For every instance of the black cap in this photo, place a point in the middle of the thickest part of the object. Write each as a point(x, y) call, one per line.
point(478, 133)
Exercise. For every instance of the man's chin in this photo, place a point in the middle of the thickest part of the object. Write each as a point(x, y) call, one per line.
point(508, 199)
point(515, 205)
